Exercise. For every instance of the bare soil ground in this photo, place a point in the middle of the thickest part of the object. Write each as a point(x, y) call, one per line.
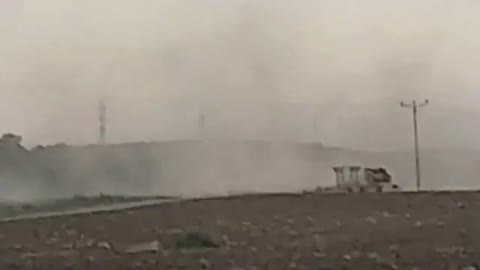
point(308, 231)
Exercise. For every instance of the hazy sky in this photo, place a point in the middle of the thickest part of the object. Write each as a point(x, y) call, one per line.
point(329, 70)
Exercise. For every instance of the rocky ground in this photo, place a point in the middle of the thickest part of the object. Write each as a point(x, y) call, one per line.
point(308, 231)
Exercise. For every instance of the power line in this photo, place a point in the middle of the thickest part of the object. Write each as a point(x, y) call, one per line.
point(414, 106)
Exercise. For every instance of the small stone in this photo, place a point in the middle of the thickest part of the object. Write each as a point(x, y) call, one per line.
point(17, 247)
point(90, 259)
point(392, 266)
point(204, 263)
point(386, 214)
point(474, 266)
point(440, 223)
point(68, 246)
point(65, 253)
point(310, 220)
point(293, 233)
point(356, 254)
point(393, 248)
point(71, 232)
point(153, 246)
point(371, 220)
point(30, 255)
point(320, 242)
point(372, 255)
point(104, 245)
point(175, 231)
point(247, 224)
point(90, 242)
point(319, 254)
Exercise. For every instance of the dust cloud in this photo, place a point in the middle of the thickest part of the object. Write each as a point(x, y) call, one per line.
point(311, 71)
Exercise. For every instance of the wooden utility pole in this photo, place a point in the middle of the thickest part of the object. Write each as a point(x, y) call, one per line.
point(414, 105)
point(102, 118)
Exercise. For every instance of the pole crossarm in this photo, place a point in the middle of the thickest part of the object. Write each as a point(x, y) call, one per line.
point(414, 103)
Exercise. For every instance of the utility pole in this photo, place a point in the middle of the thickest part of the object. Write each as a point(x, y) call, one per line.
point(202, 121)
point(102, 118)
point(414, 105)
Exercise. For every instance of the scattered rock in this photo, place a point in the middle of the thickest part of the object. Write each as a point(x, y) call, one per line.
point(204, 263)
point(320, 242)
point(247, 224)
point(153, 246)
point(17, 247)
point(293, 233)
point(372, 255)
point(68, 246)
point(266, 230)
point(371, 220)
point(450, 251)
point(440, 223)
point(65, 253)
point(386, 214)
point(463, 233)
point(90, 260)
point(356, 254)
point(319, 254)
point(175, 231)
point(71, 232)
point(33, 255)
point(389, 266)
point(393, 248)
point(104, 245)
point(471, 267)
point(310, 220)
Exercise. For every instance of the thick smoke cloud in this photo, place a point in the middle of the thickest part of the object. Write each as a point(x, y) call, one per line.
point(332, 71)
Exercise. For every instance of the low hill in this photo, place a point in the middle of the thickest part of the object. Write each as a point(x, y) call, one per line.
point(194, 168)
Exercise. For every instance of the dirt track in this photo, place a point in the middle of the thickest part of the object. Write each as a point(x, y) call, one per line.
point(360, 231)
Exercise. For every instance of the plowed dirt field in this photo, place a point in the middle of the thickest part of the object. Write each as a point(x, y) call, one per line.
point(307, 231)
